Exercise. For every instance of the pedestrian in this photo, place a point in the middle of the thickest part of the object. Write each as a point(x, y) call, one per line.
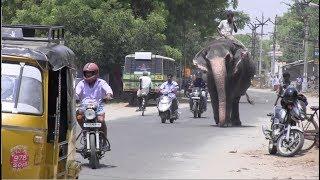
point(276, 83)
point(299, 83)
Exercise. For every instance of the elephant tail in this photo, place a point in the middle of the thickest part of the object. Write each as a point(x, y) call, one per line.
point(250, 101)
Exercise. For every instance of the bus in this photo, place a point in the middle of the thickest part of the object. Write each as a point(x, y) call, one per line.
point(157, 66)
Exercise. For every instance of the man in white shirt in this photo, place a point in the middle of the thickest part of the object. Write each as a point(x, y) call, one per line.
point(226, 28)
point(170, 87)
point(145, 84)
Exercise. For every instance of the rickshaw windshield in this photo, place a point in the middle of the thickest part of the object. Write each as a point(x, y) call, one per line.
point(21, 89)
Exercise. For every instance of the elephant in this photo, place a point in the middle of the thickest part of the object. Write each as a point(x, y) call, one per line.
point(230, 70)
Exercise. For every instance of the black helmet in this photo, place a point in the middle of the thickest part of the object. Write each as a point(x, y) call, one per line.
point(290, 95)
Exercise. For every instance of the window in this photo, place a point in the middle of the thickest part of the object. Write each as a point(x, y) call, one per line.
point(30, 100)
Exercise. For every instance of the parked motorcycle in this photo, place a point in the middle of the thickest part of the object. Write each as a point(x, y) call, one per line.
point(197, 104)
point(94, 138)
point(284, 136)
point(166, 111)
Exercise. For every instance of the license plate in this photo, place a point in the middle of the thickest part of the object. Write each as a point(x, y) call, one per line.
point(92, 125)
point(195, 97)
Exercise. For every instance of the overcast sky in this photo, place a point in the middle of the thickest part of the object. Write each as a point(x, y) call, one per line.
point(255, 8)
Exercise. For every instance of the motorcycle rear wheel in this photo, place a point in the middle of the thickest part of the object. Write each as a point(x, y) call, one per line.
point(93, 159)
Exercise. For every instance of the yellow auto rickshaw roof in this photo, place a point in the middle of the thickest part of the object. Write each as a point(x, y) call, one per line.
point(39, 49)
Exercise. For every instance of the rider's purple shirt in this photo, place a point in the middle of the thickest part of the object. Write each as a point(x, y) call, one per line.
point(98, 92)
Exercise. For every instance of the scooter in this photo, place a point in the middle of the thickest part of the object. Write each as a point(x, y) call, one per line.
point(166, 112)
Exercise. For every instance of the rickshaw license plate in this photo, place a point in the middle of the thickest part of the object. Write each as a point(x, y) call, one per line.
point(195, 97)
point(92, 125)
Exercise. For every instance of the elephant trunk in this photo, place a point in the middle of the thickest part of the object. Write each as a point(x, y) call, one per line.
point(219, 73)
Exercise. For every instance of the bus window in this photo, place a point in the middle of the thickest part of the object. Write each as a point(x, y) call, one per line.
point(158, 64)
point(128, 64)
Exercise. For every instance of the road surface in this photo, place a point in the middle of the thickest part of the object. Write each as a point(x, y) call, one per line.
point(143, 147)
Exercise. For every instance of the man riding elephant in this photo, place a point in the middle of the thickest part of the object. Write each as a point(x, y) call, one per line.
point(226, 28)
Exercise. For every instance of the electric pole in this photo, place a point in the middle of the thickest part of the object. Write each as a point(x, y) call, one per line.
point(262, 23)
point(274, 45)
point(253, 28)
point(305, 57)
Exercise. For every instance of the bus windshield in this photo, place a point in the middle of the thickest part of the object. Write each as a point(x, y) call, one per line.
point(142, 65)
point(26, 99)
point(139, 65)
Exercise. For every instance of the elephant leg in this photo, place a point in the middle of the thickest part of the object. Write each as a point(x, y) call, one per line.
point(235, 119)
point(215, 105)
point(229, 109)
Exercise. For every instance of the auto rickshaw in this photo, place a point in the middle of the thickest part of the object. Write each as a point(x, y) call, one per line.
point(37, 104)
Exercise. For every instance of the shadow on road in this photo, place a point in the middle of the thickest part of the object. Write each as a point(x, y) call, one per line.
point(100, 166)
point(243, 126)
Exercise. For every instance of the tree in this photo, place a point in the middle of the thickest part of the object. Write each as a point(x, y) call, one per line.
point(107, 30)
point(290, 32)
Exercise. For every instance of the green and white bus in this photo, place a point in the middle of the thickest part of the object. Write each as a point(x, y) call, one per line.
point(157, 66)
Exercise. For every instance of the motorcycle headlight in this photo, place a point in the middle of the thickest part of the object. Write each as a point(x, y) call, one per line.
point(196, 93)
point(90, 114)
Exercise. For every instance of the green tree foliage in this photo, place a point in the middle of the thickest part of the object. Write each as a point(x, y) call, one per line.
point(290, 32)
point(106, 30)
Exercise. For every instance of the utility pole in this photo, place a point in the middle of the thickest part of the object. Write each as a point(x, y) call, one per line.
point(274, 45)
point(262, 23)
point(305, 58)
point(302, 12)
point(253, 28)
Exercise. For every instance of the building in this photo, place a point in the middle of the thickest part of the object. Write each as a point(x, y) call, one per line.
point(296, 69)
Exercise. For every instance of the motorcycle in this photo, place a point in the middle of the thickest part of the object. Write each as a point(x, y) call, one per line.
point(94, 138)
point(197, 98)
point(284, 136)
point(165, 108)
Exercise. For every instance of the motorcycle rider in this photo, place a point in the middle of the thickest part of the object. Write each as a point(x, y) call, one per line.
point(171, 87)
point(285, 82)
point(145, 85)
point(93, 88)
point(200, 83)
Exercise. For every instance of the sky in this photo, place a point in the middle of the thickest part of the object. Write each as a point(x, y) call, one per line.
point(269, 8)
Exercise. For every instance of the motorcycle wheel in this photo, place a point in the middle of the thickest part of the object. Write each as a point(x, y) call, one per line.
point(195, 114)
point(272, 148)
point(296, 141)
point(163, 120)
point(93, 160)
point(199, 115)
point(171, 120)
point(143, 107)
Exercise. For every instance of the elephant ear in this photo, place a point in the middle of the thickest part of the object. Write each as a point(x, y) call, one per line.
point(199, 61)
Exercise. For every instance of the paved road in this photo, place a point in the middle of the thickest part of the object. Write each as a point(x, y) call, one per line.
point(142, 147)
